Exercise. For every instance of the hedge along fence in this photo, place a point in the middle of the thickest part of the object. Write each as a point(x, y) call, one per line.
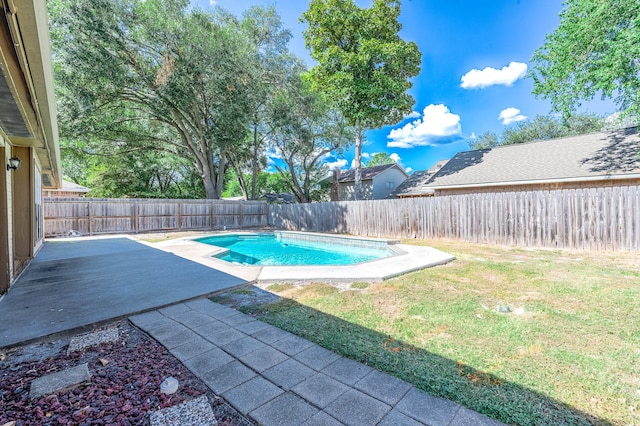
point(90, 216)
point(589, 219)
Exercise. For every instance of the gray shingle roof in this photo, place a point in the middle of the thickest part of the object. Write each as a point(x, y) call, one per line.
point(417, 179)
point(606, 154)
point(366, 173)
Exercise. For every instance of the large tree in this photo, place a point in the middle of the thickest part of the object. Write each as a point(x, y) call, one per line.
point(595, 50)
point(362, 63)
point(153, 74)
point(307, 128)
point(272, 65)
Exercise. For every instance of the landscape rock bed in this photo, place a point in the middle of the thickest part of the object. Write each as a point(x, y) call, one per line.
point(124, 387)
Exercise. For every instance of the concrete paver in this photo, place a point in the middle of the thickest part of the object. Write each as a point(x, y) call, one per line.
point(252, 394)
point(321, 390)
point(384, 387)
point(316, 357)
point(286, 409)
point(428, 409)
point(277, 378)
point(292, 345)
point(347, 371)
point(243, 346)
point(358, 409)
point(263, 359)
point(322, 419)
point(60, 380)
point(193, 347)
point(289, 373)
point(207, 361)
point(228, 376)
point(396, 418)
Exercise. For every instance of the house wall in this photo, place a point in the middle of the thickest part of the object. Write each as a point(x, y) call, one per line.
point(386, 182)
point(6, 258)
point(606, 183)
point(346, 190)
point(23, 208)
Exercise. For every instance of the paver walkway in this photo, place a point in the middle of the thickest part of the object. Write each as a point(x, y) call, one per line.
point(277, 378)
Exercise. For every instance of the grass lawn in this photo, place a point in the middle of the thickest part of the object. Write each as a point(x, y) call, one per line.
point(567, 353)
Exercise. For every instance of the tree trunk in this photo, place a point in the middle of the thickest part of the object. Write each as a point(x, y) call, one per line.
point(222, 164)
point(209, 186)
point(357, 185)
point(254, 162)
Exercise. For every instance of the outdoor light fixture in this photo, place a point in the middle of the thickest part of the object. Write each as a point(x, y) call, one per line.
point(14, 163)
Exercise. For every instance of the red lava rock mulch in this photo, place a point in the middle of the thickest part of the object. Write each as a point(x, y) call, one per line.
point(124, 388)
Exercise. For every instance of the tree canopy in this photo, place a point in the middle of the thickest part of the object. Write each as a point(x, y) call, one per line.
point(542, 127)
point(595, 50)
point(363, 65)
point(153, 75)
point(380, 158)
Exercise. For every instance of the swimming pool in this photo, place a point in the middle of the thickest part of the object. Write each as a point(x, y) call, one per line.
point(283, 248)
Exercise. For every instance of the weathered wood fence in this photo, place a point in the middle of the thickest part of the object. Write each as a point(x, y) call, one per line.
point(91, 216)
point(590, 219)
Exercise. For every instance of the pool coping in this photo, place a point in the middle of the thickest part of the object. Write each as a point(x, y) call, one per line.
point(408, 258)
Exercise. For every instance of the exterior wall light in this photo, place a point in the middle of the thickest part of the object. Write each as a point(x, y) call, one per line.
point(14, 163)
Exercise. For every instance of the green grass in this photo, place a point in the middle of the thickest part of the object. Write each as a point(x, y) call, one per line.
point(568, 353)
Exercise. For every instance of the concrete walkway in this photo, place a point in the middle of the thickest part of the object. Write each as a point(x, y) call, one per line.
point(76, 283)
point(277, 378)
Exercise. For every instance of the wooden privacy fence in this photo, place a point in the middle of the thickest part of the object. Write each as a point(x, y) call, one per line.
point(91, 216)
point(590, 219)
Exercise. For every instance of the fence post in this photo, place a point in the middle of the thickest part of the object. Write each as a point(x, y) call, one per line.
point(90, 217)
point(136, 216)
point(179, 204)
point(240, 215)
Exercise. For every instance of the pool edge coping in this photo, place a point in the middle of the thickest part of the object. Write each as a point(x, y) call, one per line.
point(408, 258)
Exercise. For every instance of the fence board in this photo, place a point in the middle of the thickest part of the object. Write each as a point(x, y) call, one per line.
point(106, 216)
point(589, 219)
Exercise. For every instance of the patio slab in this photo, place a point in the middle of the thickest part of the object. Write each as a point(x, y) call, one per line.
point(76, 283)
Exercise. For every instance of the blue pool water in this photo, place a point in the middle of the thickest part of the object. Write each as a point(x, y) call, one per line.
point(271, 250)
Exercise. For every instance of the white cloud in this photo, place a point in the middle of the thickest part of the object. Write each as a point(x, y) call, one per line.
point(395, 157)
point(409, 170)
point(436, 122)
point(366, 155)
point(412, 114)
point(339, 163)
point(511, 115)
point(479, 79)
point(473, 136)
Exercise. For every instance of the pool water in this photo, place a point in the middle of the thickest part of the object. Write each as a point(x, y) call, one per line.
point(271, 250)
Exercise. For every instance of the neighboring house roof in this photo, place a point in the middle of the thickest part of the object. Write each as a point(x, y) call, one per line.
point(281, 198)
point(416, 180)
point(596, 156)
point(366, 173)
point(73, 187)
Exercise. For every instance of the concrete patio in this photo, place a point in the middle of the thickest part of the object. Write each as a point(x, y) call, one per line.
point(76, 283)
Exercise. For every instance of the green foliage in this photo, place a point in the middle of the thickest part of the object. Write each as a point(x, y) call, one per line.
point(153, 75)
point(266, 182)
point(306, 128)
point(362, 63)
point(380, 158)
point(594, 50)
point(542, 127)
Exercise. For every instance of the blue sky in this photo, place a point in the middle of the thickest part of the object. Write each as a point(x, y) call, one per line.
point(474, 57)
